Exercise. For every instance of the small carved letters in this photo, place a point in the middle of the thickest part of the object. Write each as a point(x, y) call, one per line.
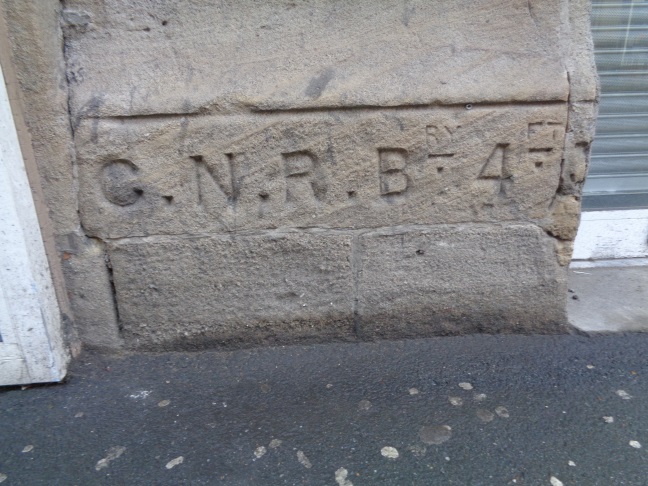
point(440, 138)
point(347, 169)
point(303, 182)
point(393, 179)
point(119, 182)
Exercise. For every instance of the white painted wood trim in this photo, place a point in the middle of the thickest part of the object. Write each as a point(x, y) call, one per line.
point(609, 235)
point(32, 348)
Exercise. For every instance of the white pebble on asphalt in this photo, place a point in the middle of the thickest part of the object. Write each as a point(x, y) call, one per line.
point(389, 452)
point(174, 462)
point(303, 460)
point(341, 477)
point(624, 394)
point(502, 412)
point(456, 401)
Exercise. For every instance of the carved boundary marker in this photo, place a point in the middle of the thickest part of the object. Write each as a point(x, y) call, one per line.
point(349, 168)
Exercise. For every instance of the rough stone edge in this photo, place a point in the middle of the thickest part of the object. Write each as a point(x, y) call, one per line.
point(28, 56)
point(584, 92)
point(17, 104)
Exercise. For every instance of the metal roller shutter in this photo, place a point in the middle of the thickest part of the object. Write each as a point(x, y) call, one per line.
point(618, 175)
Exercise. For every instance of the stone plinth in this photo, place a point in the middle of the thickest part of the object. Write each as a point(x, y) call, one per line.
point(286, 170)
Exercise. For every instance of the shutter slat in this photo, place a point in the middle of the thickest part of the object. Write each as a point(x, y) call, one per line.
point(615, 124)
point(621, 144)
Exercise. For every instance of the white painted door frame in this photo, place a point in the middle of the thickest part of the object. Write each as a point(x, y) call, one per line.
point(32, 348)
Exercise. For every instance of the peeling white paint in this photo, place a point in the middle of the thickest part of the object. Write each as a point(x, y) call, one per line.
point(456, 401)
point(3, 477)
point(479, 397)
point(572, 463)
point(608, 419)
point(140, 395)
point(341, 477)
point(389, 452)
point(624, 394)
point(274, 443)
point(465, 386)
point(502, 412)
point(413, 391)
point(303, 460)
point(174, 462)
point(590, 367)
point(555, 481)
point(112, 454)
point(28, 448)
point(635, 444)
point(260, 452)
point(164, 403)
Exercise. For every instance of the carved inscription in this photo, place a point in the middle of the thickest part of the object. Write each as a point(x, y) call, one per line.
point(412, 166)
point(439, 139)
point(544, 137)
point(304, 181)
point(214, 177)
point(120, 183)
point(393, 179)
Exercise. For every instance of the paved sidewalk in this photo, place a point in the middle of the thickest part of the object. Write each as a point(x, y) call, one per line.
point(609, 296)
point(477, 410)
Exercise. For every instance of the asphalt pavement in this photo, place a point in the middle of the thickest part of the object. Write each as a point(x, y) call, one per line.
point(472, 410)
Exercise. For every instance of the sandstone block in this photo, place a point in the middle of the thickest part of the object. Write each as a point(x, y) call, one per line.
point(234, 289)
point(90, 292)
point(36, 39)
point(337, 169)
point(253, 172)
point(146, 58)
point(457, 279)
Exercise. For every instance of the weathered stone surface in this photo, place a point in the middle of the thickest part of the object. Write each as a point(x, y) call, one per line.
point(127, 58)
point(457, 279)
point(234, 290)
point(578, 51)
point(90, 291)
point(337, 169)
point(563, 220)
point(414, 167)
point(36, 41)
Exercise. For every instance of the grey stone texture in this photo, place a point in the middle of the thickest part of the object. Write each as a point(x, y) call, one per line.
point(87, 273)
point(458, 279)
point(234, 289)
point(252, 172)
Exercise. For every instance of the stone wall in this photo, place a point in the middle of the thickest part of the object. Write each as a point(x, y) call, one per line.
point(251, 172)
